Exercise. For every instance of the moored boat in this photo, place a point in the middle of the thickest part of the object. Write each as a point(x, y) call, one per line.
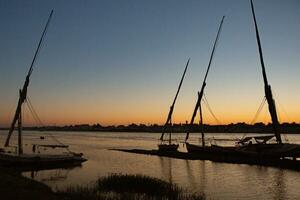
point(253, 149)
point(263, 147)
point(168, 147)
point(15, 156)
point(203, 148)
point(166, 144)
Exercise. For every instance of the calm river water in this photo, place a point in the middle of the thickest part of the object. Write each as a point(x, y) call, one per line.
point(215, 180)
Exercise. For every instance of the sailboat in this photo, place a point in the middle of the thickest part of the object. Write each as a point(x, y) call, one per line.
point(193, 147)
point(166, 144)
point(256, 149)
point(18, 157)
point(262, 146)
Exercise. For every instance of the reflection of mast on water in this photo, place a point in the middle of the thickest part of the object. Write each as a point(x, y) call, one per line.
point(166, 166)
point(57, 175)
point(200, 186)
point(202, 164)
point(190, 174)
point(279, 185)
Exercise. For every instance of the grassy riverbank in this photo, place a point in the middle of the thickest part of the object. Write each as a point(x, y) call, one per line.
point(115, 186)
point(135, 187)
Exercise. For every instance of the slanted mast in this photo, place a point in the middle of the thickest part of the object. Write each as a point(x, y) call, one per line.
point(169, 118)
point(200, 94)
point(23, 95)
point(268, 91)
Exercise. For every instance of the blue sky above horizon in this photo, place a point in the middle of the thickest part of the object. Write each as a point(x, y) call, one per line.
point(118, 62)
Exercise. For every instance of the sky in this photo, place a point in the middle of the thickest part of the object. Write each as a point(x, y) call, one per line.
point(120, 61)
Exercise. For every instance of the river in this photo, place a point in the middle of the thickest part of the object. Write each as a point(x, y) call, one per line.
point(214, 180)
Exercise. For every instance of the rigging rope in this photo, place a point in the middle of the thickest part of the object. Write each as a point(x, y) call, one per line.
point(33, 112)
point(256, 114)
point(259, 110)
point(210, 110)
point(282, 108)
point(38, 120)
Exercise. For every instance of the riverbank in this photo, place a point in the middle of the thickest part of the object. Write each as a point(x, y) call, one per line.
point(14, 186)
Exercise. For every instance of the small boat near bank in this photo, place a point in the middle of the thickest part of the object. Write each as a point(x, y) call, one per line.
point(14, 155)
point(166, 144)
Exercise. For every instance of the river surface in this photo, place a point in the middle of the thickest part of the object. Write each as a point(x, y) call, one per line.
point(214, 180)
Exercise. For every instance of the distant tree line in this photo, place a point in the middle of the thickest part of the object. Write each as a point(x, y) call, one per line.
point(242, 127)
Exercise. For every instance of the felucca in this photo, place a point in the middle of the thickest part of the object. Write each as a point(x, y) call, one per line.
point(166, 144)
point(15, 156)
point(262, 146)
point(255, 149)
point(194, 147)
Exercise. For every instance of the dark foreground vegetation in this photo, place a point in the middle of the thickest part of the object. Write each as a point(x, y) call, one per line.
point(115, 186)
point(135, 187)
point(292, 128)
point(15, 187)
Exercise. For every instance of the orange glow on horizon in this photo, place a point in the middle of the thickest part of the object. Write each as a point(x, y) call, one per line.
point(149, 111)
point(68, 119)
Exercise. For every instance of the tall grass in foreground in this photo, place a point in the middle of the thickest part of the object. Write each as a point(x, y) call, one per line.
point(137, 187)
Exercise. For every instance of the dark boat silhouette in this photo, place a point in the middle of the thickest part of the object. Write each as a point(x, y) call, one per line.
point(193, 147)
point(254, 149)
point(14, 156)
point(166, 144)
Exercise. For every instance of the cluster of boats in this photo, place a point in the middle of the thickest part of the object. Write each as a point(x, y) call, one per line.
point(256, 148)
point(248, 148)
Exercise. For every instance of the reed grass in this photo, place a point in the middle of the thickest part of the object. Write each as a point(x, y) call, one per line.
point(135, 187)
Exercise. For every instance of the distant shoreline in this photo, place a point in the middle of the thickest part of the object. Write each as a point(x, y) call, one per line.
point(290, 128)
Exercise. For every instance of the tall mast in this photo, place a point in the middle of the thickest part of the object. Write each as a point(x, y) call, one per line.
point(23, 92)
point(201, 124)
point(200, 94)
point(268, 91)
point(168, 122)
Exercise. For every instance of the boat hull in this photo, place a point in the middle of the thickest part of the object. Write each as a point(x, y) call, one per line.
point(39, 161)
point(168, 147)
point(249, 153)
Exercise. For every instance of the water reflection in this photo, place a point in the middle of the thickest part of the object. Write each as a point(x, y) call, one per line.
point(51, 175)
point(190, 174)
point(166, 168)
point(279, 187)
point(202, 166)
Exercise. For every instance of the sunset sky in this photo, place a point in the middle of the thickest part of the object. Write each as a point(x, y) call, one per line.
point(119, 62)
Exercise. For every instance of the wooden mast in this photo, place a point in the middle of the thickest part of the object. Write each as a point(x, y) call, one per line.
point(200, 94)
point(23, 94)
point(201, 123)
point(169, 118)
point(268, 91)
point(20, 146)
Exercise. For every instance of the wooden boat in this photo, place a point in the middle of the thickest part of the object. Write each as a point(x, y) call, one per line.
point(167, 145)
point(256, 149)
point(17, 157)
point(202, 149)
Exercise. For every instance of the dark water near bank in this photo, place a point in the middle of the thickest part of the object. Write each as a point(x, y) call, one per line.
point(215, 180)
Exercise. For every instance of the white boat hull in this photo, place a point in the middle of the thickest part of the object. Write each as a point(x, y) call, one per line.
point(40, 160)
